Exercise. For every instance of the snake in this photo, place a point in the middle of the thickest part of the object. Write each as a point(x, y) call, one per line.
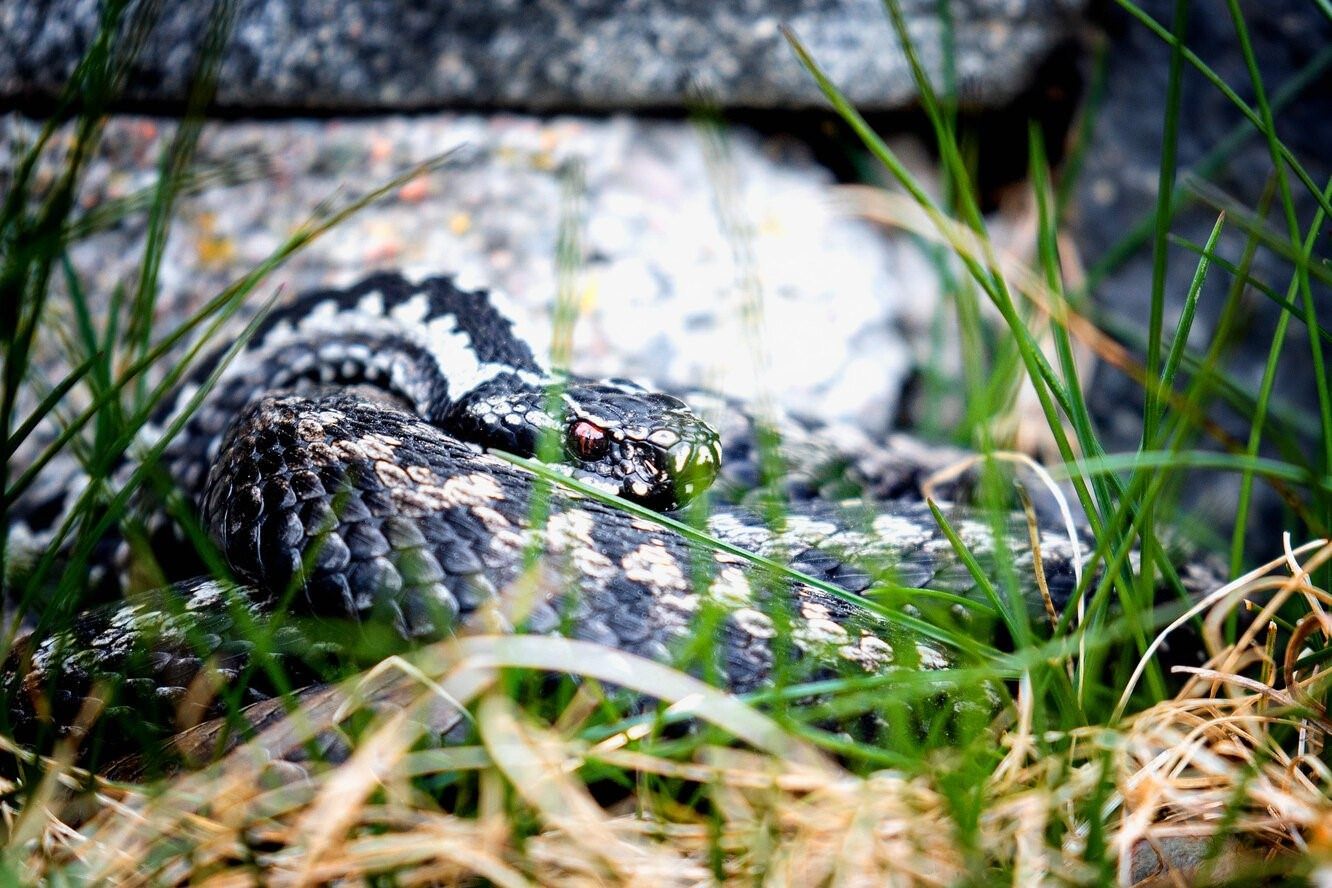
point(347, 466)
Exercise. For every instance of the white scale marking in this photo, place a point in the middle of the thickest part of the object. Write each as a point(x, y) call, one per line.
point(449, 346)
point(371, 303)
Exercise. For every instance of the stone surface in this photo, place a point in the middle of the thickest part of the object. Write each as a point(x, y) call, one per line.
point(1184, 859)
point(1117, 192)
point(681, 231)
point(584, 54)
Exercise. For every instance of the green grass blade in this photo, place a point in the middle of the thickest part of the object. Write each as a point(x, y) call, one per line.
point(1210, 164)
point(1264, 395)
point(1294, 235)
point(1165, 190)
point(310, 231)
point(1242, 463)
point(1287, 157)
point(1180, 341)
point(48, 404)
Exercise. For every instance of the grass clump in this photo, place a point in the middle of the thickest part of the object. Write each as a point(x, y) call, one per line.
point(1225, 772)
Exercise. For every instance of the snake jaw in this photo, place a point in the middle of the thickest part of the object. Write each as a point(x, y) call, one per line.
point(662, 470)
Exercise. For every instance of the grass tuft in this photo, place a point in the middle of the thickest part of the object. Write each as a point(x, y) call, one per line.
point(1227, 767)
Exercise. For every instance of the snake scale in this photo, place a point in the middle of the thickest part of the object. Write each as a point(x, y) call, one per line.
point(340, 467)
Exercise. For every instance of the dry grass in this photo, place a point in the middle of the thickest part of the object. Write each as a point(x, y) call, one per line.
point(1230, 765)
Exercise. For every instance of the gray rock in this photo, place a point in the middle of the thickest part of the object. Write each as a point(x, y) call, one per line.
point(680, 232)
point(582, 54)
point(1192, 858)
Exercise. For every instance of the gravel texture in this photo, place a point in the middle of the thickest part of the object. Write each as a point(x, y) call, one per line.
point(529, 54)
point(680, 231)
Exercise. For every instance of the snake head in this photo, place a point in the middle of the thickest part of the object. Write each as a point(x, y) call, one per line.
point(649, 447)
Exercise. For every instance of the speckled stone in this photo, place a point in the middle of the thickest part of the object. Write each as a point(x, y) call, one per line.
point(680, 231)
point(578, 54)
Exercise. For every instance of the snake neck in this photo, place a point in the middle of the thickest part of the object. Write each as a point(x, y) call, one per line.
point(452, 359)
point(430, 345)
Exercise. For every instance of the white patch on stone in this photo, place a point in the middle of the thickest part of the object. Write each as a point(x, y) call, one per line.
point(150, 433)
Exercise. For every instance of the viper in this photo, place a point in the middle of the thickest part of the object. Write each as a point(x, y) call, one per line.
point(345, 466)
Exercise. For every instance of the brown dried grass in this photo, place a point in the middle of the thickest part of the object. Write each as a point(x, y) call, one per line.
point(1230, 765)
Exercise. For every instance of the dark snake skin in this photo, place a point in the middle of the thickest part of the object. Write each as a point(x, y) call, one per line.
point(338, 501)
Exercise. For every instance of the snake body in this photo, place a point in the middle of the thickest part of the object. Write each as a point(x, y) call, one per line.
point(339, 466)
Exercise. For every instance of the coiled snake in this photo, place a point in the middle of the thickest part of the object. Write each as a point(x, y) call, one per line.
point(339, 467)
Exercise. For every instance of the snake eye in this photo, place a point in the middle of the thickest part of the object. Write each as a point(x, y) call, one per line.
point(588, 440)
